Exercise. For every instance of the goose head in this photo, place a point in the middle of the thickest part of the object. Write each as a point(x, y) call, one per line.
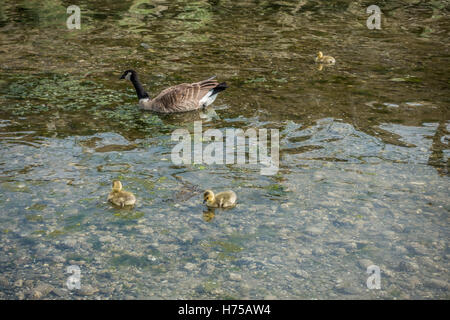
point(132, 76)
point(117, 186)
point(128, 74)
point(208, 197)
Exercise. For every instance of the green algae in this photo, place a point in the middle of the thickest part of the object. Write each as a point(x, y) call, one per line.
point(129, 215)
point(34, 218)
point(67, 93)
point(276, 190)
point(227, 247)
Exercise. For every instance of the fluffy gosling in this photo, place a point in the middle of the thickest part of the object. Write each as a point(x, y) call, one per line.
point(121, 198)
point(324, 59)
point(224, 199)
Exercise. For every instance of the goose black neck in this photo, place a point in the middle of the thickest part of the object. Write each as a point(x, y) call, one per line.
point(139, 88)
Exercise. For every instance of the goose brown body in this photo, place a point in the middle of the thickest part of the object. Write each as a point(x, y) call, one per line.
point(179, 98)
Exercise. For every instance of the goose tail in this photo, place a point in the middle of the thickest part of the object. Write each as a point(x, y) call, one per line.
point(212, 94)
point(220, 87)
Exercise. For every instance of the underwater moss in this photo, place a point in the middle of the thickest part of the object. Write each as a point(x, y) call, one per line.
point(276, 190)
point(227, 246)
point(37, 207)
point(47, 93)
point(56, 233)
point(255, 80)
point(34, 218)
point(129, 215)
point(210, 286)
point(137, 261)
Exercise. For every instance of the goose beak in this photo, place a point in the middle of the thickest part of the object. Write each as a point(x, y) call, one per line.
point(122, 77)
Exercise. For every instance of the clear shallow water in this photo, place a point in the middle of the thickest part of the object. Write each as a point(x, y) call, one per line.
point(364, 151)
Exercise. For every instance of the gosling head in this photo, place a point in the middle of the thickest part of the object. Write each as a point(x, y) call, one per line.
point(319, 55)
point(117, 186)
point(208, 197)
point(128, 74)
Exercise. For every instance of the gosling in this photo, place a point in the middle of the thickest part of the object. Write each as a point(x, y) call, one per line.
point(324, 59)
point(121, 198)
point(224, 199)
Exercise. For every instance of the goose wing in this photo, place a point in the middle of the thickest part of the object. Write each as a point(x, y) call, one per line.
point(183, 97)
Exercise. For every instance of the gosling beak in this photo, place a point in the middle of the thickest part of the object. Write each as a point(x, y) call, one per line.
point(204, 201)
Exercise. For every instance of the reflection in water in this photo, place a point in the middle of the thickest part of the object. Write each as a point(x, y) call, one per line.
point(364, 151)
point(208, 215)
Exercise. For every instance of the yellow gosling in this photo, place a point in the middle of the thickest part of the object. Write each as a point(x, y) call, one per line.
point(121, 198)
point(324, 59)
point(224, 199)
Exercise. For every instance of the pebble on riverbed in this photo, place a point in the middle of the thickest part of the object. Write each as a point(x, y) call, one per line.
point(87, 290)
point(4, 283)
point(346, 287)
point(418, 249)
point(301, 274)
point(407, 266)
point(235, 276)
point(313, 231)
point(41, 291)
point(438, 284)
point(189, 266)
point(365, 263)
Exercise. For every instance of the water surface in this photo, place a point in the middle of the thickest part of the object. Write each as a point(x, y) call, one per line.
point(363, 176)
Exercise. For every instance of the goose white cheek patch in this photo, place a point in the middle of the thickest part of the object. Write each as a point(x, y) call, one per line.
point(128, 76)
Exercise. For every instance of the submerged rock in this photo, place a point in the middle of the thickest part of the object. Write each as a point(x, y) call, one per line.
point(313, 231)
point(18, 283)
point(4, 282)
point(318, 251)
point(208, 268)
point(301, 274)
point(438, 284)
point(305, 252)
point(346, 288)
point(235, 276)
point(87, 290)
point(418, 249)
point(41, 291)
point(20, 295)
point(365, 263)
point(407, 266)
point(58, 292)
point(413, 282)
point(189, 266)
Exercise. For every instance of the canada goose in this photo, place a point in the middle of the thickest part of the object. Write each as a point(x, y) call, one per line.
point(120, 198)
point(324, 59)
point(221, 200)
point(179, 98)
